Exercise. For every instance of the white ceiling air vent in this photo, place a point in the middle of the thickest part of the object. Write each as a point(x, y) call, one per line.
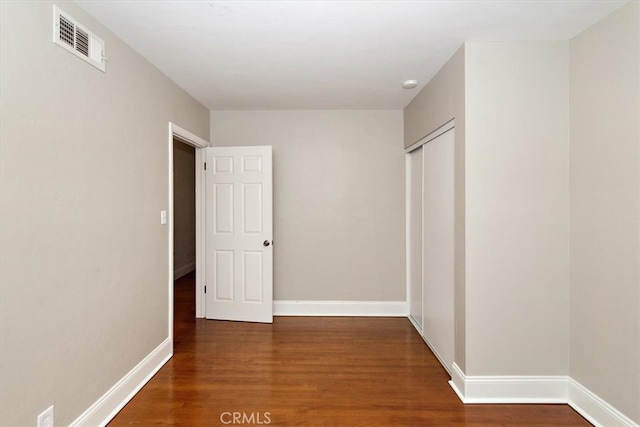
point(75, 38)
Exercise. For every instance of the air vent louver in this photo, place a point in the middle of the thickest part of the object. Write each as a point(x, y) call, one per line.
point(73, 37)
point(82, 42)
point(67, 29)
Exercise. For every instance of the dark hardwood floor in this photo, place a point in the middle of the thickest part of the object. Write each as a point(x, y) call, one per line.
point(310, 371)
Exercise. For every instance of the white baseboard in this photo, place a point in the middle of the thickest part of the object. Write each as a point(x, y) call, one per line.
point(508, 389)
point(107, 406)
point(470, 389)
point(184, 270)
point(457, 381)
point(593, 408)
point(537, 389)
point(341, 308)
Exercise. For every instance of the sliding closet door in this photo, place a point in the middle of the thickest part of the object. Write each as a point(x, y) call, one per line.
point(437, 246)
point(414, 235)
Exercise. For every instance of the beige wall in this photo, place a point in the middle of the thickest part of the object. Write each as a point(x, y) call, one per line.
point(511, 192)
point(441, 100)
point(605, 209)
point(338, 199)
point(83, 284)
point(438, 102)
point(552, 205)
point(184, 209)
point(517, 208)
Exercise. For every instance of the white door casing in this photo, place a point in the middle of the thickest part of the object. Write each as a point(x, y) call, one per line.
point(239, 233)
point(183, 135)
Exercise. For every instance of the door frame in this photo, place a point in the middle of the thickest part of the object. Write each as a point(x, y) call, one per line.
point(447, 126)
point(186, 137)
point(440, 130)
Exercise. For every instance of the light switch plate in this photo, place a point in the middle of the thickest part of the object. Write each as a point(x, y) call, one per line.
point(163, 217)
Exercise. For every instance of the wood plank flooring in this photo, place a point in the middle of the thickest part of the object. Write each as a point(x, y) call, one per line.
point(304, 371)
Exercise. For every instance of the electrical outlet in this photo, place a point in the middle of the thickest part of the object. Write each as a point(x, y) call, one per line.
point(45, 419)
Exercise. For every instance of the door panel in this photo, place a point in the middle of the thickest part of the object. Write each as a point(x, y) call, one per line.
point(252, 209)
point(437, 246)
point(239, 251)
point(223, 208)
point(415, 235)
point(251, 278)
point(223, 279)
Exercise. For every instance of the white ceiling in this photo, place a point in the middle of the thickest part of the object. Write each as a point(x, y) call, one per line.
point(242, 55)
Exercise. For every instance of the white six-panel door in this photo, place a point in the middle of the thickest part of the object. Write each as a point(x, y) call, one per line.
point(239, 233)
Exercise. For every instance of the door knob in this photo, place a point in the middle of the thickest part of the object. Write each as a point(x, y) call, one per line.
point(266, 243)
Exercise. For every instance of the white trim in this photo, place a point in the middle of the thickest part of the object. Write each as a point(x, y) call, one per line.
point(407, 240)
point(187, 137)
point(183, 135)
point(422, 210)
point(107, 406)
point(457, 381)
point(170, 237)
point(200, 234)
point(341, 308)
point(537, 389)
point(594, 409)
point(432, 135)
point(184, 270)
point(508, 389)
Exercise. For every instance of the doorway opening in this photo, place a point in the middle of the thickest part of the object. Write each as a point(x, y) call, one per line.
point(195, 143)
point(184, 239)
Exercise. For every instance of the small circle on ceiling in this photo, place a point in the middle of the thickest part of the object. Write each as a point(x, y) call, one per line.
point(409, 84)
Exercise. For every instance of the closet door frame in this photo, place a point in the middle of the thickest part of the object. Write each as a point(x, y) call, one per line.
point(448, 126)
